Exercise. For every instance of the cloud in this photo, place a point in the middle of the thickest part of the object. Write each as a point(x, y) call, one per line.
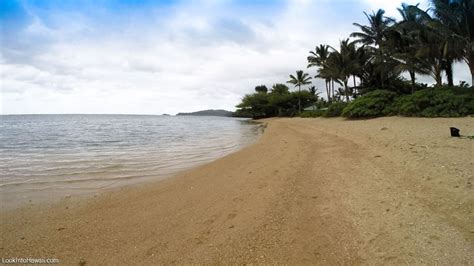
point(390, 6)
point(117, 57)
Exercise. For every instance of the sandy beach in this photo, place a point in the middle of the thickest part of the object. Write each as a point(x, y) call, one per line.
point(310, 191)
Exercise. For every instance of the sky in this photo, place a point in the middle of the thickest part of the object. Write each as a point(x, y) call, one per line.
point(155, 57)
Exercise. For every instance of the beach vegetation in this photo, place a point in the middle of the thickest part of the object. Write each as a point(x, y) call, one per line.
point(431, 102)
point(335, 109)
point(373, 104)
point(278, 102)
point(300, 79)
point(375, 71)
point(315, 113)
point(436, 102)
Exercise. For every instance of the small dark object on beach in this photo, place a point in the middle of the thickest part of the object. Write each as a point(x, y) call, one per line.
point(454, 132)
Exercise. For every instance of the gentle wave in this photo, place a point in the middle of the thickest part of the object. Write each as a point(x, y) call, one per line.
point(60, 154)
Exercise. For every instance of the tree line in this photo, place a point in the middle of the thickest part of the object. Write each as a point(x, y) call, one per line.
point(376, 57)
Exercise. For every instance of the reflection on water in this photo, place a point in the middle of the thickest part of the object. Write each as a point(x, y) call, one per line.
point(48, 156)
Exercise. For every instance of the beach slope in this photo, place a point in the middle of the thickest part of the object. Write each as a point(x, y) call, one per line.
point(327, 191)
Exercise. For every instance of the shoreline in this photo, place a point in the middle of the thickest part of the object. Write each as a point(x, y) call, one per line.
point(16, 194)
point(307, 191)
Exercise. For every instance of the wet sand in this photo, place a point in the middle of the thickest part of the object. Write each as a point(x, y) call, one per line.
point(315, 191)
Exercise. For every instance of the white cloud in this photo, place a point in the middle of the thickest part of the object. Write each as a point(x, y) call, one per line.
point(200, 55)
point(390, 6)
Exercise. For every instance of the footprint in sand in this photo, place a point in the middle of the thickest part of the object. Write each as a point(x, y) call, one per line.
point(237, 199)
point(211, 220)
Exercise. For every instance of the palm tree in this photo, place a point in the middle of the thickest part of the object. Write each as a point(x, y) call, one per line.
point(319, 58)
point(458, 17)
point(300, 79)
point(466, 25)
point(374, 33)
point(431, 51)
point(343, 63)
point(405, 42)
point(447, 26)
point(375, 37)
point(438, 47)
point(330, 72)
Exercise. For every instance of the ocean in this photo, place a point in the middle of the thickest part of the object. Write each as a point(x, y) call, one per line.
point(47, 157)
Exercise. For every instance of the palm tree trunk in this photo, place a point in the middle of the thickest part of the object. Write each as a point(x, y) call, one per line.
point(355, 84)
point(470, 63)
point(346, 88)
point(472, 77)
point(437, 68)
point(299, 98)
point(327, 89)
point(331, 89)
point(332, 80)
point(449, 72)
point(438, 77)
point(413, 81)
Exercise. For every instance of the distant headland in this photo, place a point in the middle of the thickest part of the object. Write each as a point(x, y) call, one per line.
point(210, 112)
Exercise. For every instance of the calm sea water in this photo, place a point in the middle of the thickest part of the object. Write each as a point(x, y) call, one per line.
point(51, 156)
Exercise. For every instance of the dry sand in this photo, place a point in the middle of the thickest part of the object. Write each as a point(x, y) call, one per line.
point(320, 191)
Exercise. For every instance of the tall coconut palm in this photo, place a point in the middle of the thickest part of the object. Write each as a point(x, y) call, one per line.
point(453, 52)
point(329, 71)
point(354, 54)
point(466, 25)
point(438, 45)
point(300, 79)
point(405, 42)
point(432, 52)
point(458, 17)
point(374, 33)
point(319, 58)
point(343, 63)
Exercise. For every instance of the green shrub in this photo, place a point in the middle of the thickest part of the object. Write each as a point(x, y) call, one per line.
point(372, 104)
point(335, 109)
point(316, 113)
point(437, 102)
